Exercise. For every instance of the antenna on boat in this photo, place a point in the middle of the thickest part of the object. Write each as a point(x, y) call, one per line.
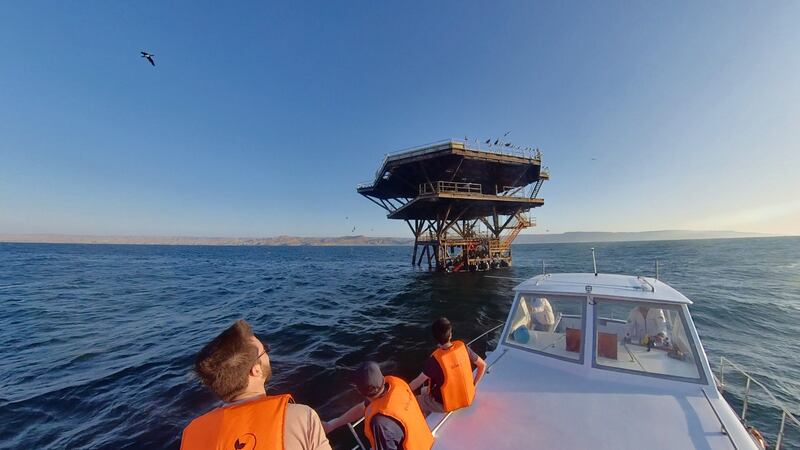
point(544, 270)
point(656, 269)
point(594, 262)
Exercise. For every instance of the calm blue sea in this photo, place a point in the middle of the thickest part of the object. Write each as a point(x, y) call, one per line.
point(97, 341)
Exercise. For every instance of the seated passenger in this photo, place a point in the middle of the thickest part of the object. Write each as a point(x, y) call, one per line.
point(542, 312)
point(646, 324)
point(680, 348)
point(235, 366)
point(392, 419)
point(449, 369)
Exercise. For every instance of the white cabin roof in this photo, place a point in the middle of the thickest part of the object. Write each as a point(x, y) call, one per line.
point(520, 404)
point(607, 285)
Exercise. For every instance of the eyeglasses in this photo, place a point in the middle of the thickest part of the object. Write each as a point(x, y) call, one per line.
point(267, 349)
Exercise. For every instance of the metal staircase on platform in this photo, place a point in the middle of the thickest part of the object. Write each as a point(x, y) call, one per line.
point(522, 222)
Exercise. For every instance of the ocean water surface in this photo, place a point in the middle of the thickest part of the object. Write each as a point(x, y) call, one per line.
point(97, 341)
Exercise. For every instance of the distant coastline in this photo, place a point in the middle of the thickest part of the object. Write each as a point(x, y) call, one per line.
point(632, 236)
point(555, 238)
point(192, 240)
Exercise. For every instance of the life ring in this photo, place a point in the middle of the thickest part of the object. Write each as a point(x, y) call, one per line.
point(757, 437)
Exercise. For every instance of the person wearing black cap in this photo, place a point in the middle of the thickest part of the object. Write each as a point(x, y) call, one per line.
point(392, 417)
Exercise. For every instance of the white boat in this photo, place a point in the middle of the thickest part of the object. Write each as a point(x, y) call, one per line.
point(592, 380)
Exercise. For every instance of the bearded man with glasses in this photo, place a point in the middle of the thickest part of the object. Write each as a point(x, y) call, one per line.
point(235, 366)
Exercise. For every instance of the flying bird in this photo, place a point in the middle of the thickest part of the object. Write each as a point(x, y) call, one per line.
point(354, 230)
point(148, 57)
point(496, 141)
point(488, 141)
point(509, 131)
point(508, 144)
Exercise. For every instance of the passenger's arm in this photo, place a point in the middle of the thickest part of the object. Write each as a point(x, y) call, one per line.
point(316, 439)
point(353, 414)
point(417, 382)
point(481, 367)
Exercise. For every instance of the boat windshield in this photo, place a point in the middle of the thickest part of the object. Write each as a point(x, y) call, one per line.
point(644, 337)
point(551, 325)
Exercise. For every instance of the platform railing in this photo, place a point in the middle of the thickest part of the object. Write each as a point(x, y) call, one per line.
point(470, 145)
point(450, 186)
point(365, 184)
point(422, 149)
point(352, 425)
point(785, 413)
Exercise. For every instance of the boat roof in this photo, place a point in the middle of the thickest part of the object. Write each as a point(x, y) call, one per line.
point(624, 287)
point(519, 405)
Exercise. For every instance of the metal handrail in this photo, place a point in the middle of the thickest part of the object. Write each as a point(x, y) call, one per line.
point(450, 186)
point(484, 334)
point(537, 155)
point(352, 425)
point(365, 184)
point(724, 429)
point(785, 413)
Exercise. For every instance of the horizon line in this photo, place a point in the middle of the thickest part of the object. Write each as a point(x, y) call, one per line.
point(364, 240)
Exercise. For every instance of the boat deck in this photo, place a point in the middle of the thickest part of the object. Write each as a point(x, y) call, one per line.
point(552, 408)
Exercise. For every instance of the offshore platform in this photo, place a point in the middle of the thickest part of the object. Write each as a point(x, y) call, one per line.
point(465, 205)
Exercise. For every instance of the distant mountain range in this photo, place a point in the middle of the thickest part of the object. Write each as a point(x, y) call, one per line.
point(188, 240)
point(608, 236)
point(575, 236)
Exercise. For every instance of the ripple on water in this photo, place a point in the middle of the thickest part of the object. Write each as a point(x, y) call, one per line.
point(97, 341)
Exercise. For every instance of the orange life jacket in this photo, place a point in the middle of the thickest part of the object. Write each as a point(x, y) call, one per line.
point(239, 427)
point(458, 388)
point(399, 403)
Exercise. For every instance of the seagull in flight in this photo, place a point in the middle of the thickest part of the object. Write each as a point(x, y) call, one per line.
point(506, 134)
point(149, 57)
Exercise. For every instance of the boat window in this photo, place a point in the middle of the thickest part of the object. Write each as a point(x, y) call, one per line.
point(551, 325)
point(644, 337)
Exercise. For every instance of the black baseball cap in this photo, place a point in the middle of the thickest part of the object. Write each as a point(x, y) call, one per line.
point(368, 378)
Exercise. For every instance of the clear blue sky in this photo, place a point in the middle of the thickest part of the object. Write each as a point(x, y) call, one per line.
point(259, 120)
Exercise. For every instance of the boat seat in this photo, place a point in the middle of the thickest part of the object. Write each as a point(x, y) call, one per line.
point(607, 345)
point(573, 340)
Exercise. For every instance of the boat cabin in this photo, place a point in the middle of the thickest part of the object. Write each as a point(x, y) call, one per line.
point(608, 322)
point(595, 361)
